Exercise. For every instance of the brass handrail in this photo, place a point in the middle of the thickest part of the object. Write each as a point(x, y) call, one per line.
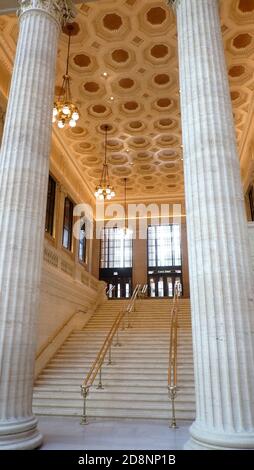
point(109, 290)
point(172, 368)
point(107, 348)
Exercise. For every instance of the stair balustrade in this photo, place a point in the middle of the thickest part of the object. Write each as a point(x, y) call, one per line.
point(172, 368)
point(121, 322)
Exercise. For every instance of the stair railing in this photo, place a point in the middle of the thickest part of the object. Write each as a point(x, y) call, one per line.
point(143, 292)
point(109, 291)
point(172, 368)
point(97, 366)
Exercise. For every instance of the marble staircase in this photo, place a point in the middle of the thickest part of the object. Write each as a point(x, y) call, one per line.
point(135, 385)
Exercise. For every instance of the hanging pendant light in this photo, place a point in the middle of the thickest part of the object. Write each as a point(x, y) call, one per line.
point(65, 112)
point(126, 231)
point(104, 190)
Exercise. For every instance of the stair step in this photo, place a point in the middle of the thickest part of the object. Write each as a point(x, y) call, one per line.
point(183, 382)
point(135, 385)
point(112, 388)
point(186, 414)
point(128, 404)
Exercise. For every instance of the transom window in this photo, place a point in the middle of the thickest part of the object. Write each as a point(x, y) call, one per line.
point(116, 249)
point(164, 246)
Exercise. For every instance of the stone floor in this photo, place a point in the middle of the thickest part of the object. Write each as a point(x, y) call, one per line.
point(67, 434)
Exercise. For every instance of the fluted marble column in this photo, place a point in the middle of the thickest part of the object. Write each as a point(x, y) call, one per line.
point(23, 182)
point(221, 291)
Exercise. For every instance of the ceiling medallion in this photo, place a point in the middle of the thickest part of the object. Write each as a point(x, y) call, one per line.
point(104, 190)
point(65, 112)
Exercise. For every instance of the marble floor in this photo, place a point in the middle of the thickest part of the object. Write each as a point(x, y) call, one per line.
point(65, 433)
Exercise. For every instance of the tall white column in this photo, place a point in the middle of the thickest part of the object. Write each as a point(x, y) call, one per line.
point(221, 291)
point(23, 182)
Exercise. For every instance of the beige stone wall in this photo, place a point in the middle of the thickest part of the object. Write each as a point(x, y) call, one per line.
point(67, 285)
point(69, 295)
point(66, 288)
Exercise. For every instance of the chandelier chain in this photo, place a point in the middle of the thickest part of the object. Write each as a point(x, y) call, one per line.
point(65, 112)
point(105, 190)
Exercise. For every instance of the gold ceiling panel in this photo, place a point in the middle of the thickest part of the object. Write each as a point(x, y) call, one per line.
point(124, 72)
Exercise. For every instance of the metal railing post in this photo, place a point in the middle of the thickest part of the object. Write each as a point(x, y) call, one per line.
point(100, 387)
point(172, 371)
point(172, 396)
point(84, 393)
point(117, 338)
point(110, 356)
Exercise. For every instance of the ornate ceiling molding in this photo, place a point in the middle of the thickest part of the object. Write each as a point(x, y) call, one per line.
point(135, 44)
point(63, 11)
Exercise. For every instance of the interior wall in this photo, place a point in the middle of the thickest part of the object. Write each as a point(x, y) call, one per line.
point(139, 270)
point(67, 285)
point(60, 298)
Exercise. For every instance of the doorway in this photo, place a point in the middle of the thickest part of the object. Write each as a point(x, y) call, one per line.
point(163, 284)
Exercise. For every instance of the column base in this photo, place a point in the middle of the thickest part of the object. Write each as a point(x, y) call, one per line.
point(20, 434)
point(201, 439)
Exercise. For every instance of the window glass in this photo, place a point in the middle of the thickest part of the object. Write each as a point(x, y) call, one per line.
point(164, 245)
point(116, 249)
point(82, 243)
point(67, 224)
point(50, 211)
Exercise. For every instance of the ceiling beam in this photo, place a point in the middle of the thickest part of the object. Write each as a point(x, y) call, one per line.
point(11, 6)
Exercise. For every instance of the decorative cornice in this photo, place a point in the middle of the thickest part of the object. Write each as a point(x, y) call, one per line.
point(63, 11)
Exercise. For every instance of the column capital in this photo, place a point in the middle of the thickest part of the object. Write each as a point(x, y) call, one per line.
point(63, 11)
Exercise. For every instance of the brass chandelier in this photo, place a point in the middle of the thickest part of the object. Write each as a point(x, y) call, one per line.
point(65, 112)
point(104, 190)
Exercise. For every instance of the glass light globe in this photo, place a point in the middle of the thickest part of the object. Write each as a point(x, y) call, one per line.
point(61, 124)
point(100, 191)
point(109, 197)
point(53, 119)
point(113, 193)
point(72, 123)
point(101, 197)
point(75, 116)
point(66, 109)
point(96, 194)
point(108, 190)
point(54, 111)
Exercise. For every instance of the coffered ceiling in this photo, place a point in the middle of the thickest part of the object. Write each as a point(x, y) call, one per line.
point(124, 72)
